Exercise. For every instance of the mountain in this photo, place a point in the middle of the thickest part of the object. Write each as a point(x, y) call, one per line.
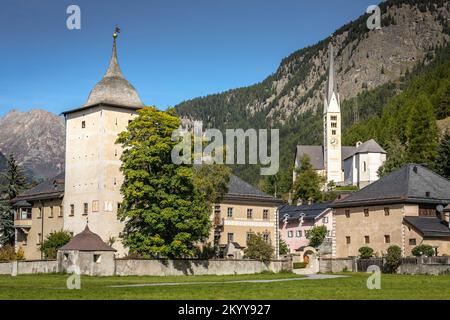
point(3, 162)
point(371, 68)
point(37, 140)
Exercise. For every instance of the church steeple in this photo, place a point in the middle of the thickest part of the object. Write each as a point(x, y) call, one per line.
point(114, 68)
point(331, 75)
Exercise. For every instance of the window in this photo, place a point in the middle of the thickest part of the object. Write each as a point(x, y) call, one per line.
point(66, 256)
point(412, 242)
point(298, 233)
point(386, 211)
point(325, 220)
point(266, 237)
point(61, 211)
point(347, 240)
point(387, 239)
point(25, 214)
point(328, 233)
point(85, 208)
point(230, 237)
point(129, 121)
point(333, 132)
point(334, 125)
point(39, 213)
point(97, 258)
point(39, 237)
point(230, 212)
point(365, 166)
point(366, 239)
point(249, 213)
point(290, 234)
point(51, 212)
point(266, 214)
point(83, 124)
point(118, 206)
point(333, 118)
point(249, 235)
point(72, 210)
point(347, 213)
point(366, 212)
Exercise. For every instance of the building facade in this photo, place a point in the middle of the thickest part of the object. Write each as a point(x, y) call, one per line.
point(404, 208)
point(244, 211)
point(38, 212)
point(296, 221)
point(344, 165)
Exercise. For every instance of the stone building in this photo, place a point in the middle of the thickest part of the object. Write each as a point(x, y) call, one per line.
point(93, 177)
point(244, 211)
point(38, 212)
point(296, 221)
point(344, 165)
point(404, 208)
point(87, 254)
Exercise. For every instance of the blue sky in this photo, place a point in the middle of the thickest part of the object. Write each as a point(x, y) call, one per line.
point(170, 50)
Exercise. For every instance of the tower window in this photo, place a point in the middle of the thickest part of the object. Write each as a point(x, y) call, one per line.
point(85, 208)
point(83, 124)
point(72, 210)
point(333, 118)
point(333, 132)
point(348, 240)
point(334, 125)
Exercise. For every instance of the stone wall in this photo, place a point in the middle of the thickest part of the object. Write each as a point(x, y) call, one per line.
point(196, 267)
point(336, 265)
point(30, 267)
point(434, 269)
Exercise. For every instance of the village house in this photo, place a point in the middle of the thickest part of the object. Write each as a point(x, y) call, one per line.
point(404, 208)
point(343, 165)
point(244, 211)
point(296, 221)
point(38, 212)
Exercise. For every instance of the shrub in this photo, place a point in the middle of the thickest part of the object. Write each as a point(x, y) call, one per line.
point(299, 265)
point(258, 249)
point(423, 250)
point(284, 248)
point(393, 259)
point(316, 236)
point(365, 252)
point(8, 253)
point(20, 255)
point(53, 241)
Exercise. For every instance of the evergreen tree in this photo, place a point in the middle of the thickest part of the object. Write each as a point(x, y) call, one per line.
point(165, 214)
point(422, 132)
point(15, 183)
point(443, 156)
point(308, 184)
point(396, 158)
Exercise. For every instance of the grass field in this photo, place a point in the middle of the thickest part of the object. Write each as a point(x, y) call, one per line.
point(352, 287)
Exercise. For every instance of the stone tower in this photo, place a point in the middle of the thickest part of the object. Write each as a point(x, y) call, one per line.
point(92, 175)
point(332, 127)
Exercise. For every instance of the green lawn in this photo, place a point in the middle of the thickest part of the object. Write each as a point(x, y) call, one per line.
point(353, 287)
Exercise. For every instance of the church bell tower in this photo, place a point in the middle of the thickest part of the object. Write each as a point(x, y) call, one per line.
point(332, 127)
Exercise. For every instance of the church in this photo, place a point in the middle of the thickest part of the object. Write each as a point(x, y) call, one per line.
point(344, 165)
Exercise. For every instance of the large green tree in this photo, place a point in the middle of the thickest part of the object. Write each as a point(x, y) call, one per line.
point(443, 156)
point(308, 184)
point(15, 182)
point(422, 132)
point(165, 212)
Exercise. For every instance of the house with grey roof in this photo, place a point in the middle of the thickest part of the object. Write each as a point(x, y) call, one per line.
point(344, 165)
point(244, 211)
point(405, 208)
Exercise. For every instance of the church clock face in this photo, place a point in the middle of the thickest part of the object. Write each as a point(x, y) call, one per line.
point(333, 141)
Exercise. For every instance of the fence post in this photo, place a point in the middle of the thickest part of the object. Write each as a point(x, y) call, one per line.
point(14, 268)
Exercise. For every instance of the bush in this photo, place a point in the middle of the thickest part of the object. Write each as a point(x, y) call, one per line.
point(53, 241)
point(365, 252)
point(8, 253)
point(393, 259)
point(258, 249)
point(284, 248)
point(423, 250)
point(316, 235)
point(299, 265)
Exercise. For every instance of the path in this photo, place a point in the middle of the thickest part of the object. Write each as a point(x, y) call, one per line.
point(307, 277)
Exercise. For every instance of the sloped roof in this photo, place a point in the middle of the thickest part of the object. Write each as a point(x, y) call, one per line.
point(87, 241)
point(49, 189)
point(309, 212)
point(113, 89)
point(370, 146)
point(411, 183)
point(429, 226)
point(315, 153)
point(238, 188)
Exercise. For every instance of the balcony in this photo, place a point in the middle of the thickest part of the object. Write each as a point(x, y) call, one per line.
point(22, 218)
point(22, 223)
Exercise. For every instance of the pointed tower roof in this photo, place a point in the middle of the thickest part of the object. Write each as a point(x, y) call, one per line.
point(331, 75)
point(87, 241)
point(114, 88)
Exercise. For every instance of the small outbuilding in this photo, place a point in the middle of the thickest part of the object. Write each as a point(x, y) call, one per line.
point(87, 254)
